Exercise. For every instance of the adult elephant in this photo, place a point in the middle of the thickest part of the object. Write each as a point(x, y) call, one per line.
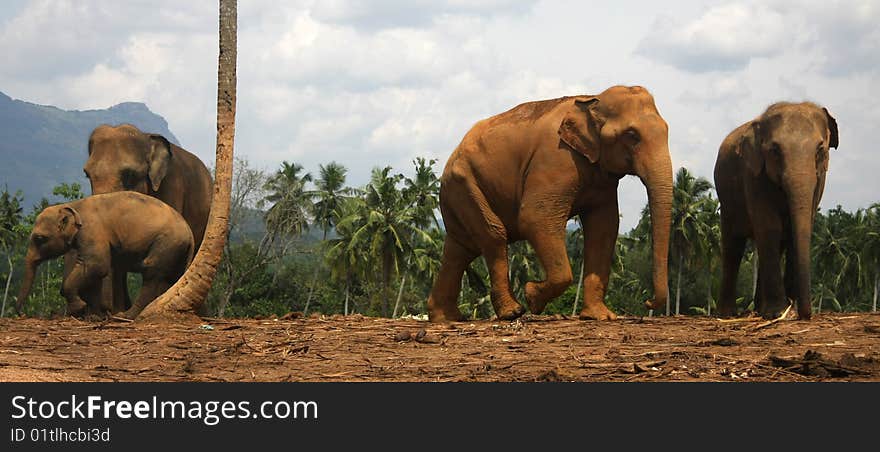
point(770, 175)
point(125, 158)
point(522, 174)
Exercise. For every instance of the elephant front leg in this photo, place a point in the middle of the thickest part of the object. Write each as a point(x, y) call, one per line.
point(732, 249)
point(772, 293)
point(600, 234)
point(80, 278)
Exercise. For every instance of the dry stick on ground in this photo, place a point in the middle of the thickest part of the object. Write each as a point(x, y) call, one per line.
point(777, 319)
point(735, 360)
point(744, 319)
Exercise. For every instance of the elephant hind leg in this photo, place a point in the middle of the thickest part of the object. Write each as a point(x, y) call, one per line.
point(152, 288)
point(473, 217)
point(443, 301)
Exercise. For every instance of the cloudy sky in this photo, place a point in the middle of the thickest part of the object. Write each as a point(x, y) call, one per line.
point(372, 83)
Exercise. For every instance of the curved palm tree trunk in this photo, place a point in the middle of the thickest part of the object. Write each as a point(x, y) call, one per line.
point(191, 290)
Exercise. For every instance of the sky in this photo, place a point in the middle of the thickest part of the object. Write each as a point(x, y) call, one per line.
point(380, 82)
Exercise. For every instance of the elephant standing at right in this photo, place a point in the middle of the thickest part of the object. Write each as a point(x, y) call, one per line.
point(770, 175)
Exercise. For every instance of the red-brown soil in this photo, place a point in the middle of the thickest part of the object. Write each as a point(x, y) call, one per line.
point(831, 347)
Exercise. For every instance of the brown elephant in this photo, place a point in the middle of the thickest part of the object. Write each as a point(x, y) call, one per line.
point(124, 231)
point(522, 174)
point(124, 158)
point(770, 175)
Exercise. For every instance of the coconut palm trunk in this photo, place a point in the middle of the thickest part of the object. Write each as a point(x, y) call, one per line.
point(191, 290)
point(876, 286)
point(399, 296)
point(9, 282)
point(577, 294)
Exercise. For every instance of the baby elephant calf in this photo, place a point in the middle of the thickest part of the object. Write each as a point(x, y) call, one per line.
point(124, 231)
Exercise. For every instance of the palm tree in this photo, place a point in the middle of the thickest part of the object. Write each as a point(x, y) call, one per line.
point(288, 214)
point(330, 191)
point(709, 242)
point(342, 253)
point(11, 234)
point(191, 290)
point(387, 225)
point(689, 196)
point(871, 248)
point(423, 192)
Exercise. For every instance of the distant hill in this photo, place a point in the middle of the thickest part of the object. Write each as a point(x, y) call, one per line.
point(42, 146)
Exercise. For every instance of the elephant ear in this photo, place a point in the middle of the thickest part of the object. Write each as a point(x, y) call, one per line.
point(159, 159)
point(69, 224)
point(832, 129)
point(750, 149)
point(580, 129)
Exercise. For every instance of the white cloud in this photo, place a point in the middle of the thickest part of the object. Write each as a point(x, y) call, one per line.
point(371, 83)
point(724, 38)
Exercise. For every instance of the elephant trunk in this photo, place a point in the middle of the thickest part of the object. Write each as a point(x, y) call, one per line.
point(802, 208)
point(658, 182)
point(30, 269)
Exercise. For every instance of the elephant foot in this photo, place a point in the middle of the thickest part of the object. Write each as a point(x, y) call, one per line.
point(596, 311)
point(445, 316)
point(131, 313)
point(805, 313)
point(536, 304)
point(76, 306)
point(726, 313)
point(510, 312)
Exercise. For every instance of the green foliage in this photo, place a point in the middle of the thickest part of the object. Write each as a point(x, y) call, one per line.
point(366, 242)
point(68, 192)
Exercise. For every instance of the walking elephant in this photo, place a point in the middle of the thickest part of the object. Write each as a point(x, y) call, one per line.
point(770, 175)
point(124, 158)
point(123, 231)
point(522, 174)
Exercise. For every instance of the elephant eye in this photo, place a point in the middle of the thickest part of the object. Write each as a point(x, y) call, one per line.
point(631, 137)
point(129, 178)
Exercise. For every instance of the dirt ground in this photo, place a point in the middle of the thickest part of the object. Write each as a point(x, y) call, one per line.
point(831, 347)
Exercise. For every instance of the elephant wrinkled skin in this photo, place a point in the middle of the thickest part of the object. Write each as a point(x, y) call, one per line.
point(770, 175)
point(522, 174)
point(124, 231)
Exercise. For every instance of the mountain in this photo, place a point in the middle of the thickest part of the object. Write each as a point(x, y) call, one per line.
point(42, 146)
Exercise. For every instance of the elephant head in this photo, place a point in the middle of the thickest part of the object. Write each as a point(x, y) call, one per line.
point(54, 231)
point(124, 158)
point(622, 131)
point(788, 146)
